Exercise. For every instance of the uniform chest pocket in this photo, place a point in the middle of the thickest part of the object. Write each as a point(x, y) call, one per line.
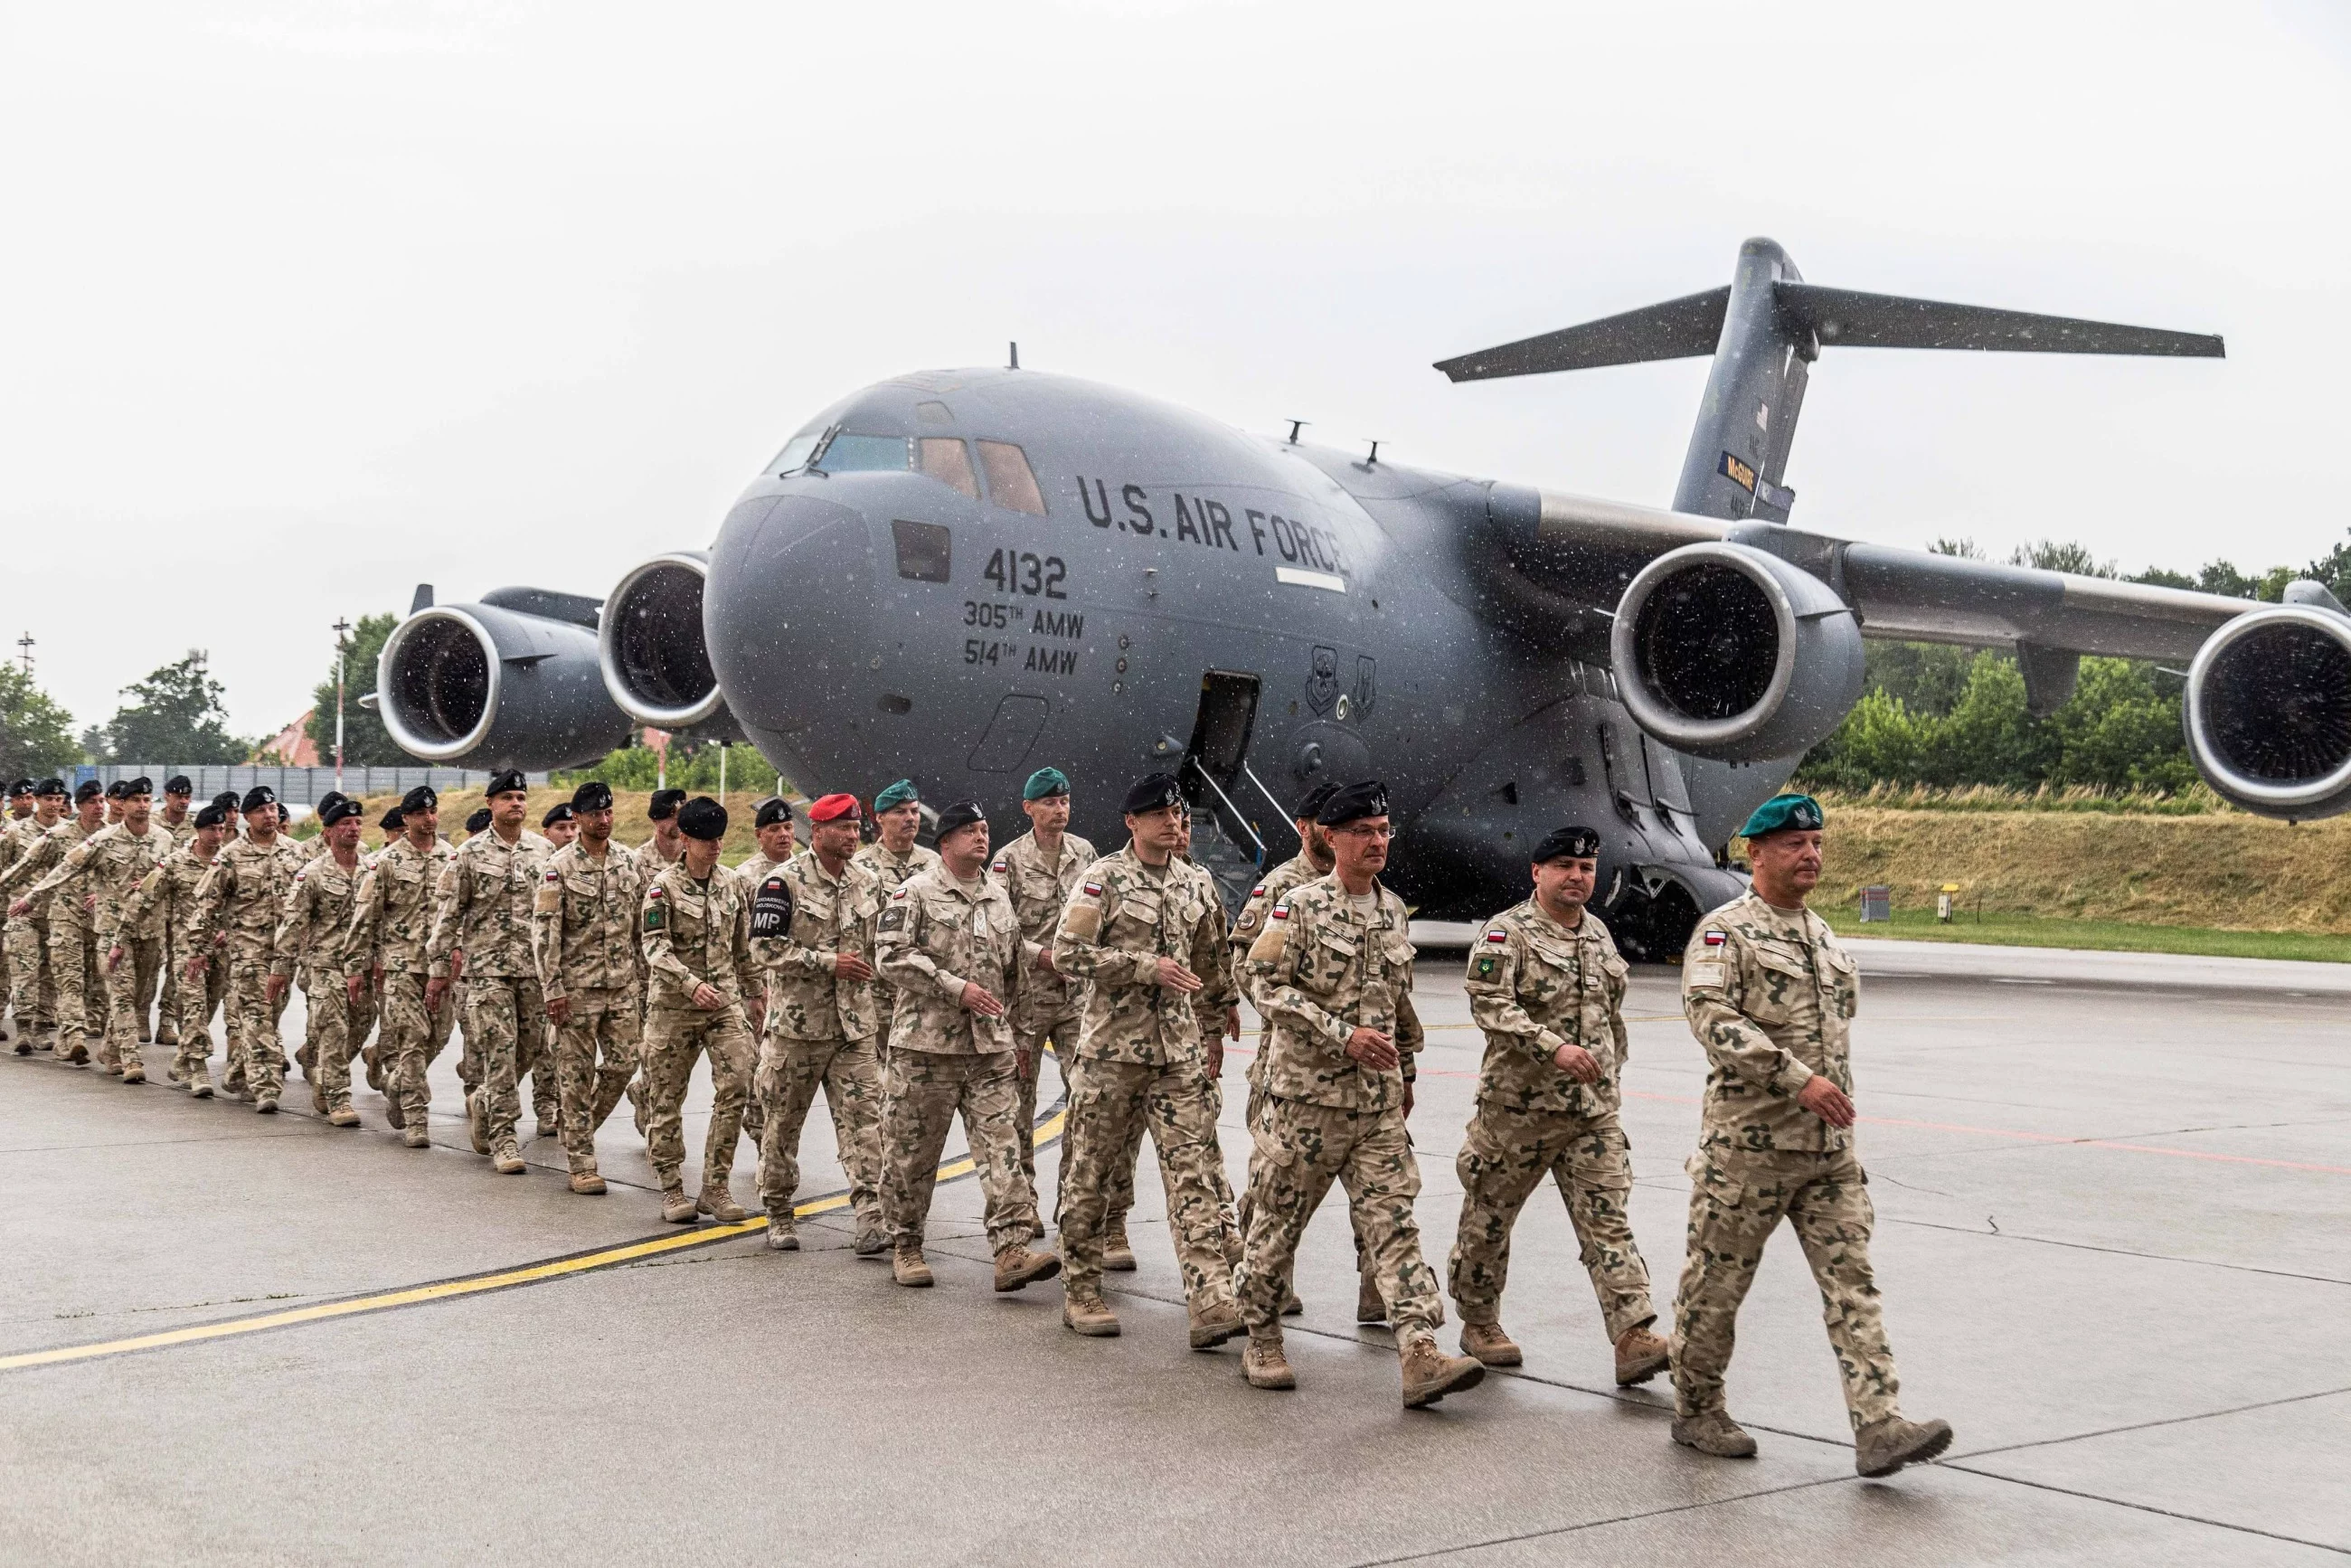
point(1332, 953)
point(1137, 915)
point(1553, 963)
point(1844, 981)
point(1779, 984)
point(818, 910)
point(583, 886)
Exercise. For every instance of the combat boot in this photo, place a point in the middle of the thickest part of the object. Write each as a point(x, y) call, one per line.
point(318, 1096)
point(477, 1121)
point(1212, 1325)
point(871, 1242)
point(133, 1071)
point(1883, 1446)
point(200, 1084)
point(1291, 1305)
point(1429, 1375)
point(23, 1040)
point(1265, 1366)
point(265, 1102)
point(342, 1116)
point(550, 1125)
point(507, 1161)
point(374, 1070)
point(1640, 1355)
point(415, 1136)
point(1714, 1432)
point(174, 1073)
point(718, 1203)
point(906, 1266)
point(306, 1058)
point(587, 1184)
point(676, 1207)
point(1089, 1315)
point(1117, 1253)
point(77, 1053)
point(1370, 1306)
point(1017, 1267)
point(394, 1114)
point(1490, 1344)
point(783, 1229)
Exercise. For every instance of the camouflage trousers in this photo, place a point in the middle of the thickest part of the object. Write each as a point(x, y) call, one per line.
point(1110, 1105)
point(675, 1036)
point(1365, 1275)
point(328, 1002)
point(790, 1072)
point(198, 1000)
point(130, 991)
point(32, 989)
point(1504, 1157)
point(167, 997)
point(1029, 1035)
point(255, 1061)
point(80, 987)
point(505, 1023)
point(921, 1094)
point(1299, 1149)
point(1737, 1199)
point(595, 1056)
point(413, 1038)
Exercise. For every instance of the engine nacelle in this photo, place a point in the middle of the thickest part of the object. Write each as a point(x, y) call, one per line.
point(2269, 711)
point(653, 654)
point(1723, 650)
point(511, 681)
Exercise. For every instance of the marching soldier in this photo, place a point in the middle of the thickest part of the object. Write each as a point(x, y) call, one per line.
point(112, 862)
point(315, 933)
point(1039, 871)
point(892, 857)
point(560, 826)
point(240, 901)
point(63, 924)
point(812, 932)
point(1772, 995)
point(1546, 985)
point(584, 924)
point(164, 902)
point(771, 824)
point(667, 842)
point(484, 910)
point(392, 922)
point(701, 981)
point(1145, 930)
point(178, 821)
point(12, 845)
point(1333, 973)
point(950, 946)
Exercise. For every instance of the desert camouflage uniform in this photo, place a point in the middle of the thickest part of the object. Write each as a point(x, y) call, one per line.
point(697, 933)
point(820, 1033)
point(102, 868)
point(1053, 1006)
point(1141, 1059)
point(1322, 968)
point(391, 919)
point(1772, 996)
point(584, 922)
point(484, 911)
point(166, 898)
point(934, 934)
point(890, 873)
point(167, 995)
point(32, 991)
point(63, 994)
point(242, 898)
point(1535, 985)
point(314, 938)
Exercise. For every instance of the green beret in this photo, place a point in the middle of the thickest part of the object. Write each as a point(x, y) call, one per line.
point(1044, 784)
point(1781, 812)
point(902, 793)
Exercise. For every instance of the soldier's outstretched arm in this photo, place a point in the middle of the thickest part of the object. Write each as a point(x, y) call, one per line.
point(1077, 952)
point(219, 880)
point(142, 896)
point(1273, 967)
point(1715, 984)
point(367, 919)
point(547, 934)
point(66, 870)
point(35, 862)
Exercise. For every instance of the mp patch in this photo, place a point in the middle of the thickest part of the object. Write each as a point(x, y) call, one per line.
point(771, 908)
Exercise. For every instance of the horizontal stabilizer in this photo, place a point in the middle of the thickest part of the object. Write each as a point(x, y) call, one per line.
point(1677, 330)
point(1853, 320)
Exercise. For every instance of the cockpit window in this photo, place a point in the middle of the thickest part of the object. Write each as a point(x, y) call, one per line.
point(944, 459)
point(796, 453)
point(864, 453)
point(1010, 484)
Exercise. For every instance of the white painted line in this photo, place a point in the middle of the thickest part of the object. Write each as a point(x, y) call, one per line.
point(1298, 579)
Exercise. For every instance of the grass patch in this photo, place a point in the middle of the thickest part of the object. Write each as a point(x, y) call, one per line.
point(2099, 935)
point(2196, 800)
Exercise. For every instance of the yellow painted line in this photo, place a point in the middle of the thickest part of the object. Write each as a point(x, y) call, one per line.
point(471, 1285)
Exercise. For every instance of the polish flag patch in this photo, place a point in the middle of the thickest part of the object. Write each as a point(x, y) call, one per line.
point(1496, 936)
point(1715, 938)
point(655, 892)
point(1094, 890)
point(1281, 910)
point(1258, 892)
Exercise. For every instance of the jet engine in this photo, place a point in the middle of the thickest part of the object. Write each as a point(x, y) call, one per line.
point(511, 682)
point(2269, 711)
point(654, 657)
point(1725, 652)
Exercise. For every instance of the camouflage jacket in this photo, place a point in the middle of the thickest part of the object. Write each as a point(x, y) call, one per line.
point(584, 921)
point(1772, 996)
point(243, 897)
point(829, 916)
point(1123, 919)
point(697, 933)
point(484, 909)
point(105, 866)
point(754, 870)
point(314, 931)
point(391, 919)
point(166, 897)
point(1292, 873)
point(1322, 969)
point(1039, 893)
point(935, 934)
point(183, 833)
point(1534, 986)
point(45, 850)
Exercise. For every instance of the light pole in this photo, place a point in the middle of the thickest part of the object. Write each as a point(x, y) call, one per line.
point(26, 642)
point(341, 627)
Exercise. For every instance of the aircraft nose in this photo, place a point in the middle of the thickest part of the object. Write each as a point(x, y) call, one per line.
point(788, 613)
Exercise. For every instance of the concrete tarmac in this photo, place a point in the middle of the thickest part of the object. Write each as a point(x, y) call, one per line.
point(2114, 1199)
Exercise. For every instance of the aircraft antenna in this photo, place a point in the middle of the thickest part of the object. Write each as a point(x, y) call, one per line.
point(1016, 358)
point(1373, 459)
point(1295, 426)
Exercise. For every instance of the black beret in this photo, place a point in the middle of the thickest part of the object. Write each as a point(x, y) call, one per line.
point(50, 786)
point(664, 804)
point(394, 823)
point(559, 813)
point(702, 819)
point(21, 787)
point(346, 808)
point(1314, 799)
point(479, 822)
point(178, 784)
point(1152, 793)
point(772, 810)
point(143, 785)
point(213, 816)
point(506, 779)
point(257, 797)
point(962, 814)
point(227, 799)
point(593, 796)
point(1568, 843)
point(118, 791)
point(421, 799)
point(1354, 802)
point(331, 798)
point(89, 791)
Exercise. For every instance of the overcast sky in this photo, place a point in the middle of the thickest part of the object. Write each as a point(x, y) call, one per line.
point(306, 303)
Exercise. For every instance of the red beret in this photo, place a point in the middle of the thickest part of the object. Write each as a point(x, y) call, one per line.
point(834, 807)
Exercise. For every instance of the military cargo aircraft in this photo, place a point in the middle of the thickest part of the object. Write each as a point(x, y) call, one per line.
point(962, 575)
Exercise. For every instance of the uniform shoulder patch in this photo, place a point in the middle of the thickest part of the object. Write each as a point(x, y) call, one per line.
point(771, 908)
point(1485, 967)
point(1094, 889)
point(1258, 892)
point(1497, 934)
point(1281, 910)
point(1716, 938)
point(892, 917)
point(1000, 867)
